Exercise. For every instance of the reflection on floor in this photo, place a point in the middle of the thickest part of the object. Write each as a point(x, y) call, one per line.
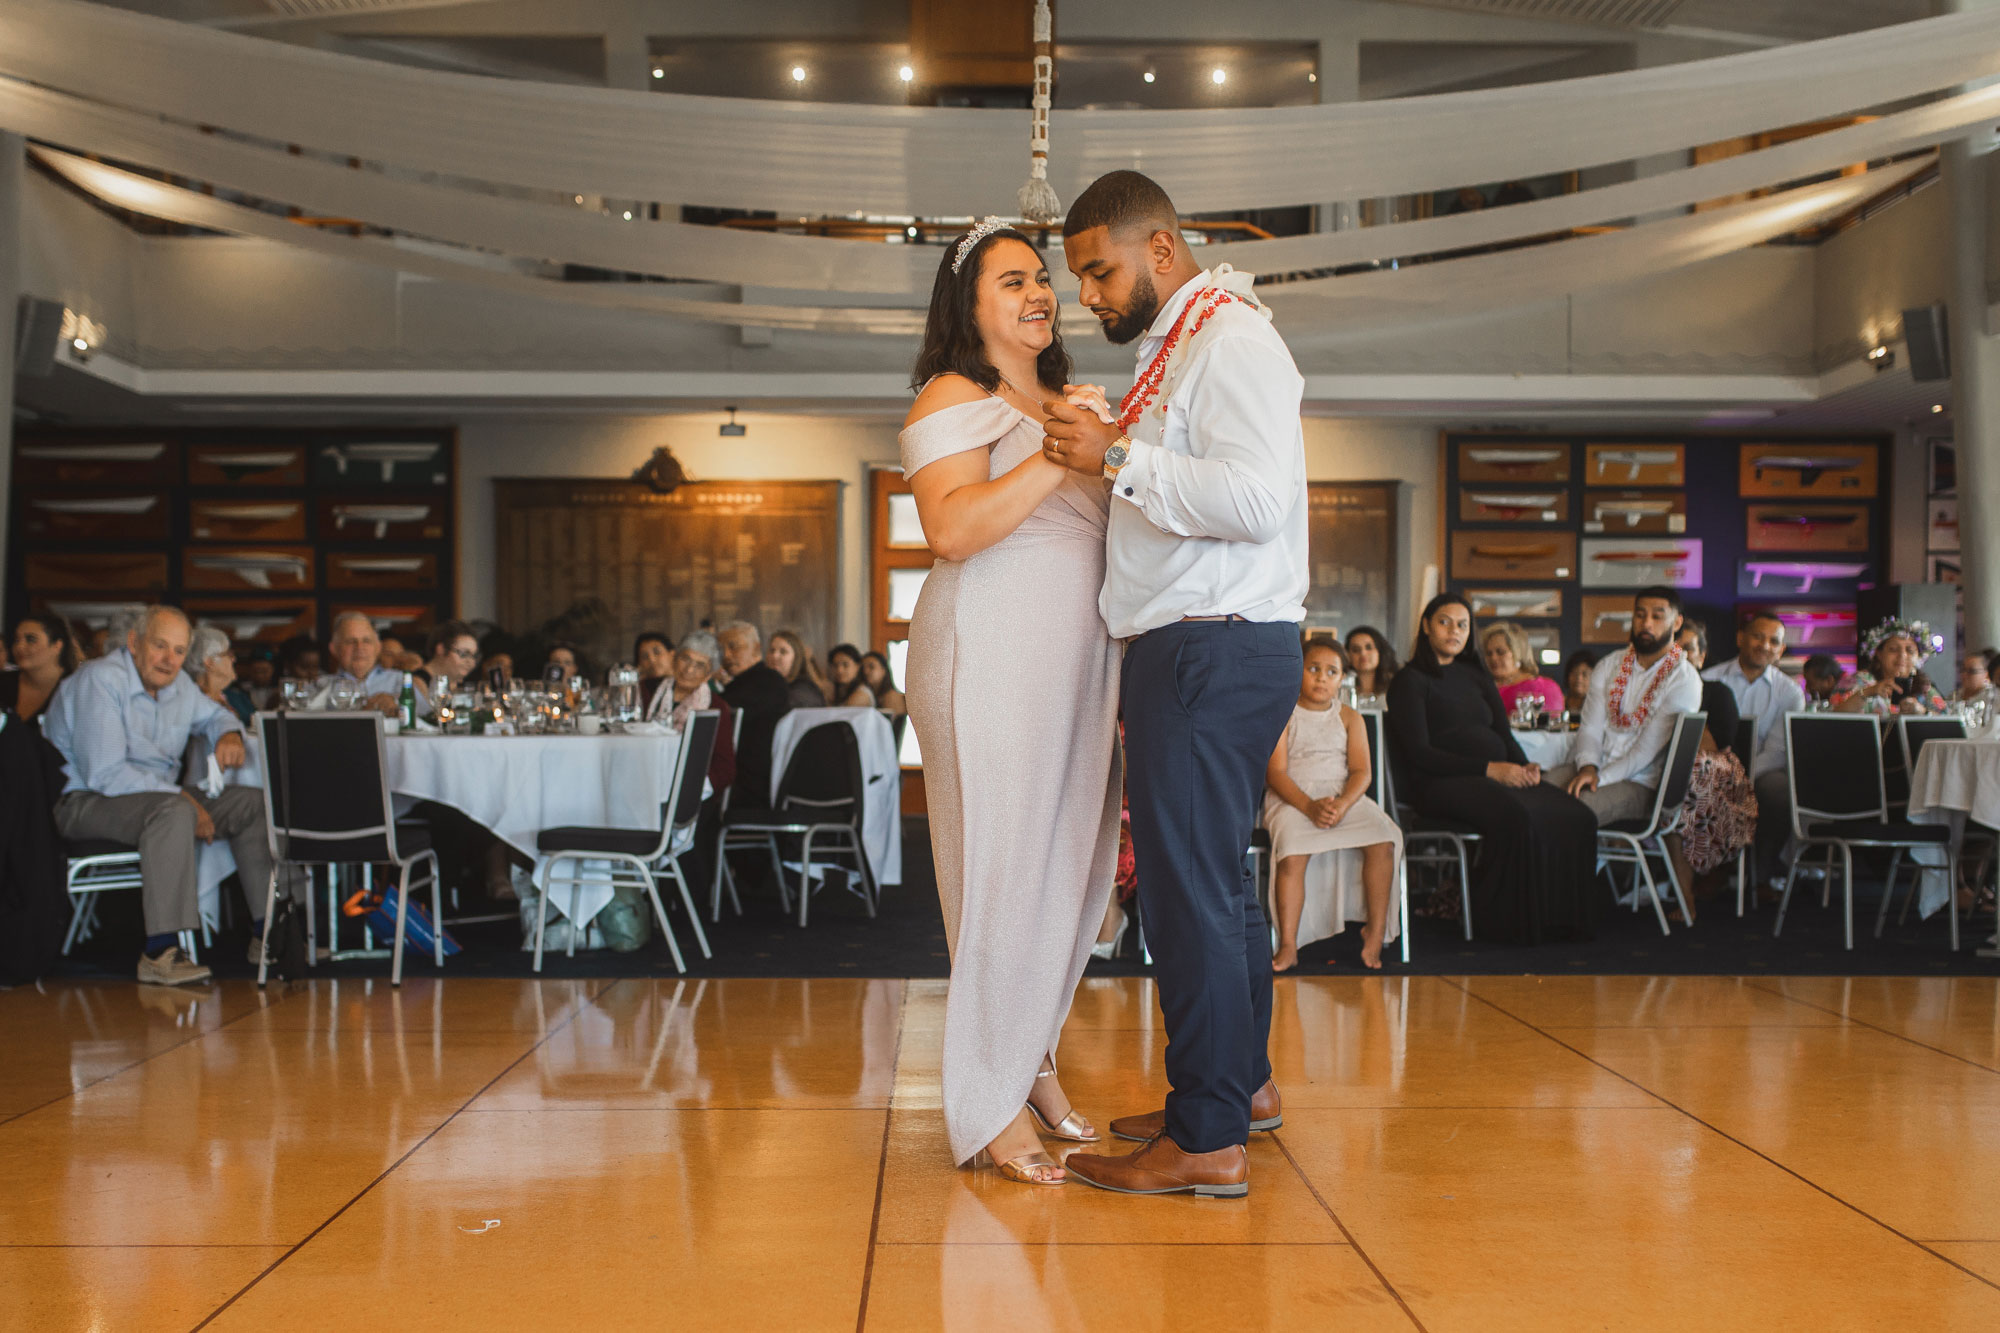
point(1479, 1153)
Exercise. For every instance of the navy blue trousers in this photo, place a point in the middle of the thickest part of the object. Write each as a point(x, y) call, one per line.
point(1205, 703)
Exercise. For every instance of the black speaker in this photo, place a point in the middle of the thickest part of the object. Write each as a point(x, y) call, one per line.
point(1936, 604)
point(37, 326)
point(1929, 340)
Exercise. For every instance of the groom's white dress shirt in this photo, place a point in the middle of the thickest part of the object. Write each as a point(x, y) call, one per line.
point(1634, 754)
point(1208, 517)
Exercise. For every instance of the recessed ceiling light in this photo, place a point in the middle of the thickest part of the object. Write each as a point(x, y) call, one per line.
point(798, 74)
point(659, 73)
point(1937, 407)
point(906, 74)
point(1311, 77)
point(1219, 75)
point(628, 215)
point(1149, 76)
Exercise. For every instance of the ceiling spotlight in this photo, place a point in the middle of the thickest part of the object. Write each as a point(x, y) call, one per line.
point(628, 215)
point(579, 199)
point(911, 232)
point(659, 73)
point(1149, 76)
point(1881, 357)
point(1218, 75)
point(1937, 407)
point(732, 426)
point(80, 344)
point(1311, 77)
point(798, 74)
point(906, 74)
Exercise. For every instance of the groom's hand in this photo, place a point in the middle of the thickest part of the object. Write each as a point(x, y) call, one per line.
point(1076, 438)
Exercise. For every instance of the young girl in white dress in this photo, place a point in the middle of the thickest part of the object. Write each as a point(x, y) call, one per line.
point(1315, 803)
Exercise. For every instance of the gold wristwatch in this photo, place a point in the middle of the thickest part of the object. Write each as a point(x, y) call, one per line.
point(1115, 457)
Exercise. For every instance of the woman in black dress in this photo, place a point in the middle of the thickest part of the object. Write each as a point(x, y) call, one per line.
point(1537, 854)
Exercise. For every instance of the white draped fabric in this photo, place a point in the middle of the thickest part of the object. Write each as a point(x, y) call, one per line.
point(550, 231)
point(1418, 292)
point(820, 158)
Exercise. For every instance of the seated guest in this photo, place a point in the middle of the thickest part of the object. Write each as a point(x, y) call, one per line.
point(1721, 812)
point(496, 670)
point(653, 655)
point(763, 697)
point(1628, 715)
point(1504, 646)
point(122, 726)
point(1975, 676)
point(563, 658)
point(876, 674)
point(259, 675)
point(213, 669)
point(688, 691)
point(454, 656)
point(1576, 679)
point(1820, 677)
point(1371, 661)
point(1459, 761)
point(805, 684)
point(1890, 680)
point(843, 666)
point(298, 659)
point(43, 655)
point(392, 651)
point(1316, 803)
point(357, 658)
point(1764, 694)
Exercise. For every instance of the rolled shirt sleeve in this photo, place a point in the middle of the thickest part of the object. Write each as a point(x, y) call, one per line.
point(1242, 404)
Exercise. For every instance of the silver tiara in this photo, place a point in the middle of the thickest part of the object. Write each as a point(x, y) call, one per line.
point(986, 227)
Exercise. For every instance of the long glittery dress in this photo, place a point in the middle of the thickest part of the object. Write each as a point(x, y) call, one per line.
point(1013, 689)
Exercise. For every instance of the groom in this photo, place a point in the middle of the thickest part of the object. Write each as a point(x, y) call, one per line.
point(1205, 582)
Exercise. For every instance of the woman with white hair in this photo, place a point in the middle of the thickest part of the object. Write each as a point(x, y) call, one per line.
point(212, 664)
point(686, 690)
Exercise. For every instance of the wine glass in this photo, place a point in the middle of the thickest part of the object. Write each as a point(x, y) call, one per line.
point(345, 696)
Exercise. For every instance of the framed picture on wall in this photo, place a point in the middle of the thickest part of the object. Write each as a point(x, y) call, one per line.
point(1516, 603)
point(1942, 456)
point(1806, 527)
point(1635, 562)
point(1522, 462)
point(1634, 465)
point(1821, 628)
point(1504, 504)
point(1942, 525)
point(1634, 513)
point(1822, 471)
point(1941, 569)
point(1513, 555)
point(1351, 541)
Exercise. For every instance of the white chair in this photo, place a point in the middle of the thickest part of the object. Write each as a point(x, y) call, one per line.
point(1626, 842)
point(97, 866)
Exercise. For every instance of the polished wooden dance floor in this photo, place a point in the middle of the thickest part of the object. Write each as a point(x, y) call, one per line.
point(1492, 1153)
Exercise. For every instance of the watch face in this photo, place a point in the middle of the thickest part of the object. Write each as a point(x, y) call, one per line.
point(1116, 455)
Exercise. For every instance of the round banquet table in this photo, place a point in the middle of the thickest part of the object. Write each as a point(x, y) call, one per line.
point(1550, 749)
point(1954, 780)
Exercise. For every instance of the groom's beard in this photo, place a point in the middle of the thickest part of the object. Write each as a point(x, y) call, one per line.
point(1646, 644)
point(1139, 317)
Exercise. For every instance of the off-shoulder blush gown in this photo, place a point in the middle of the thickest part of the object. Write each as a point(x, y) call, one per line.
point(1013, 689)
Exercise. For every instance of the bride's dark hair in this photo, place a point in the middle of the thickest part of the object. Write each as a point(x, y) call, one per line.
point(951, 336)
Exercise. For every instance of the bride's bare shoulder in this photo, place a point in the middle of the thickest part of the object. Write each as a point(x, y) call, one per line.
point(943, 391)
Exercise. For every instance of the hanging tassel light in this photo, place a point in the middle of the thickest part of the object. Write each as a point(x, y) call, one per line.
point(1038, 198)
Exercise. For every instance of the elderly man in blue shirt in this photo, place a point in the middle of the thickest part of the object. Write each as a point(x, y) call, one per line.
point(357, 657)
point(122, 724)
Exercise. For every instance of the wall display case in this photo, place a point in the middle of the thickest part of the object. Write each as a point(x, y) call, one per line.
point(1807, 527)
point(1820, 629)
point(1634, 464)
point(1352, 545)
point(257, 530)
point(1731, 521)
point(1631, 513)
point(1820, 471)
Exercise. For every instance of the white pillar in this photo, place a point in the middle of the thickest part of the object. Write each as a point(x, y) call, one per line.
point(11, 184)
point(1975, 393)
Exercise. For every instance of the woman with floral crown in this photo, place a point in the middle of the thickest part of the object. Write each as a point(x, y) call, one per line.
point(1891, 679)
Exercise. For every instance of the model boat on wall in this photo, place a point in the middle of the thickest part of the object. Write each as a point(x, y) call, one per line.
point(136, 463)
point(382, 516)
point(1634, 465)
point(381, 571)
point(235, 465)
point(1820, 627)
point(1607, 618)
point(1486, 506)
point(1634, 512)
point(1513, 462)
point(1500, 555)
point(236, 520)
point(1834, 580)
point(1807, 527)
point(94, 571)
point(251, 569)
point(1516, 603)
point(74, 517)
point(1637, 562)
point(387, 456)
point(1835, 471)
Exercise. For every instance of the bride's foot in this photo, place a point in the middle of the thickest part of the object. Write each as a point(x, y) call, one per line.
point(1051, 1109)
point(1018, 1155)
point(1285, 959)
point(1371, 947)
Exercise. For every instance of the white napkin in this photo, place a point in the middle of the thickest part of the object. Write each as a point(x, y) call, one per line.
point(646, 729)
point(211, 785)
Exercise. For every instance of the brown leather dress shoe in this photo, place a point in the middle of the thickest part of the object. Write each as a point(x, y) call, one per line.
point(1267, 1112)
point(1162, 1168)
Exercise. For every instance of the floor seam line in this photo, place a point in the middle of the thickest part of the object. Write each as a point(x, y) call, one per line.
point(126, 1069)
point(1873, 1027)
point(1352, 1243)
point(1755, 1152)
point(882, 1165)
point(414, 1148)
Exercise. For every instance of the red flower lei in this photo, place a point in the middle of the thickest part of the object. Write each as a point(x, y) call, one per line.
point(1147, 387)
point(1615, 696)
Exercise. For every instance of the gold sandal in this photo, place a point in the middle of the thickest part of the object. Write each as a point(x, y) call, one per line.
point(1072, 1128)
point(1020, 1169)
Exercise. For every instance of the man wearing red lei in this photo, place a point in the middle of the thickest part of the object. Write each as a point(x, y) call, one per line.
point(1629, 712)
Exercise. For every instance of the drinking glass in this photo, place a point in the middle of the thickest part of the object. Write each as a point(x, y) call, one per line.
point(345, 696)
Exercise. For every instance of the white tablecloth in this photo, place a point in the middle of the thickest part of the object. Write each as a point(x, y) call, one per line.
point(881, 777)
point(1550, 749)
point(1953, 780)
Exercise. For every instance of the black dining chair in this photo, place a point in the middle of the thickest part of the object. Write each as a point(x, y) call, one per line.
point(327, 803)
point(821, 802)
point(1635, 842)
point(635, 857)
point(1840, 801)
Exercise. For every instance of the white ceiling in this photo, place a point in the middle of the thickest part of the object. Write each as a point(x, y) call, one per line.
point(1765, 20)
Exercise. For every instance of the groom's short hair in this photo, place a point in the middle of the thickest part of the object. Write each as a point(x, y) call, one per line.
point(1122, 201)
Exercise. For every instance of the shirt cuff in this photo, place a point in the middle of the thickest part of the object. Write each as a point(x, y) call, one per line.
point(1135, 479)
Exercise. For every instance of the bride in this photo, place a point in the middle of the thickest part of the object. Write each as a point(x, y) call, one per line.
point(1020, 768)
